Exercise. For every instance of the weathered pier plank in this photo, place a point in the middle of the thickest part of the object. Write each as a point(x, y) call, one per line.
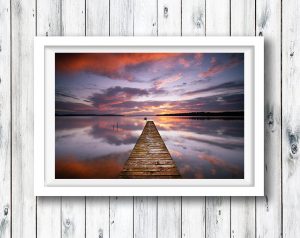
point(150, 157)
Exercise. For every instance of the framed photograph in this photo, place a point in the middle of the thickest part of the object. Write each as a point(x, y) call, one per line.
point(149, 116)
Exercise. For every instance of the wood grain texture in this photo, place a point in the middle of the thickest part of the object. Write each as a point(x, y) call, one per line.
point(97, 217)
point(193, 217)
point(193, 17)
point(169, 217)
point(73, 217)
point(23, 201)
point(73, 17)
point(290, 117)
point(268, 208)
point(218, 208)
point(145, 17)
point(121, 217)
point(48, 23)
point(169, 17)
point(5, 120)
point(145, 217)
point(242, 208)
point(121, 17)
point(97, 18)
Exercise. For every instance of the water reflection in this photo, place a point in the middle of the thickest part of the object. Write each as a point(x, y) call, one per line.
point(98, 147)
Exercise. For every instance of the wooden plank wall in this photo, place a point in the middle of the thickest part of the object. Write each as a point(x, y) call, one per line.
point(274, 215)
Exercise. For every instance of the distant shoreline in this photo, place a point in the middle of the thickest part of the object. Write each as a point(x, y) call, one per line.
point(203, 115)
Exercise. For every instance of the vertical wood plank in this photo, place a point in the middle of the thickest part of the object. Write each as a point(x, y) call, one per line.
point(97, 208)
point(169, 208)
point(145, 208)
point(169, 17)
point(23, 200)
point(193, 217)
point(268, 208)
point(291, 115)
point(121, 217)
point(193, 17)
point(242, 208)
point(121, 17)
point(97, 217)
point(193, 208)
point(5, 120)
point(218, 17)
point(218, 208)
point(48, 208)
point(169, 217)
point(73, 208)
point(121, 208)
point(97, 18)
point(145, 17)
point(73, 17)
point(145, 217)
point(73, 217)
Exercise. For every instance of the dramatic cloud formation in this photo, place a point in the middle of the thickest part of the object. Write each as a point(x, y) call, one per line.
point(148, 83)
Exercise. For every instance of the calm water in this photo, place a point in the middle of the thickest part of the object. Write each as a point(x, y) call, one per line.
point(98, 147)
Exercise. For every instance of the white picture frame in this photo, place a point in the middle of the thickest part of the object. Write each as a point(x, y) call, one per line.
point(45, 183)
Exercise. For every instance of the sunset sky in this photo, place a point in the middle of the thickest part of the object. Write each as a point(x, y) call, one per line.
point(148, 83)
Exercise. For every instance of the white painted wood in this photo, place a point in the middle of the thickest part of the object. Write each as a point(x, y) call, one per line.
point(5, 120)
point(193, 217)
point(193, 17)
point(48, 208)
point(48, 217)
point(217, 217)
point(73, 17)
point(97, 18)
point(121, 17)
point(145, 17)
point(73, 208)
point(242, 208)
point(48, 18)
point(97, 217)
point(193, 208)
point(242, 18)
point(290, 117)
point(145, 217)
point(268, 208)
point(145, 208)
point(23, 201)
point(169, 17)
point(73, 217)
point(217, 208)
point(121, 217)
point(217, 17)
point(169, 217)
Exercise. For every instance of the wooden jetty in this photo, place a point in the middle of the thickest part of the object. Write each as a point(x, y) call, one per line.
point(150, 157)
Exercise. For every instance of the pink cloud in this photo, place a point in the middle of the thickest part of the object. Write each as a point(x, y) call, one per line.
point(184, 62)
point(216, 68)
point(163, 82)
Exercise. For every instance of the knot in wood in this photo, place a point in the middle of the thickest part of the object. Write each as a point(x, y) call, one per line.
point(294, 148)
point(5, 210)
point(270, 120)
point(68, 222)
point(166, 12)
